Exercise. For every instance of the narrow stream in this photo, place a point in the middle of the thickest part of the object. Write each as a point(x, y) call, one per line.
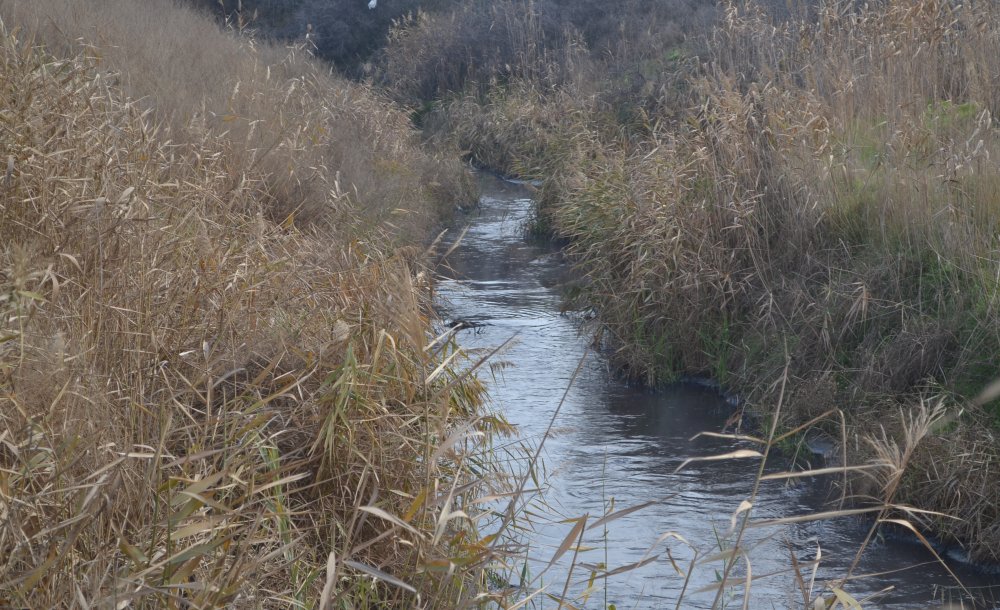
point(619, 446)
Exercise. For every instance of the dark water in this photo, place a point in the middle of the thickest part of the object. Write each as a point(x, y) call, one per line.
point(617, 445)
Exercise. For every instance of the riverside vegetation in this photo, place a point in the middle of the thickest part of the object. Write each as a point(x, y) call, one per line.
point(804, 192)
point(217, 381)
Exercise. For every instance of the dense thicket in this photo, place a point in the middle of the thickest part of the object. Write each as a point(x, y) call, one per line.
point(354, 37)
point(217, 382)
point(344, 32)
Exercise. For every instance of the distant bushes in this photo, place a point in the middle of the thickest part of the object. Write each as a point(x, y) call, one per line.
point(485, 39)
point(617, 52)
point(344, 32)
point(481, 44)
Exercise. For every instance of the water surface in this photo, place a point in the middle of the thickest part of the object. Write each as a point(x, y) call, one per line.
point(617, 446)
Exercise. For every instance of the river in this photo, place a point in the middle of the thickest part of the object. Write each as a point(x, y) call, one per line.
point(615, 446)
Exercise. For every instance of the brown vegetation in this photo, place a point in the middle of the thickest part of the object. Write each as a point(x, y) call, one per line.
point(322, 144)
point(613, 54)
point(217, 386)
point(817, 192)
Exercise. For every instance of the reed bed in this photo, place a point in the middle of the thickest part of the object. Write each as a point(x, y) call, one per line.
point(217, 382)
point(214, 393)
point(320, 142)
point(815, 193)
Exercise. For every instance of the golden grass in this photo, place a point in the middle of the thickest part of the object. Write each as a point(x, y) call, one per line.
point(216, 382)
point(322, 143)
point(200, 406)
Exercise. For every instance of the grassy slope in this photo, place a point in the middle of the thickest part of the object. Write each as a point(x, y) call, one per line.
point(213, 338)
point(323, 143)
point(823, 208)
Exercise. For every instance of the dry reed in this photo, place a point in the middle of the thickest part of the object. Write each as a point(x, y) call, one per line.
point(200, 406)
point(828, 193)
point(321, 143)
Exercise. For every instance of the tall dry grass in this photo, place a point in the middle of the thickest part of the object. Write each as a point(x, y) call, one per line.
point(323, 143)
point(826, 202)
point(848, 211)
point(200, 406)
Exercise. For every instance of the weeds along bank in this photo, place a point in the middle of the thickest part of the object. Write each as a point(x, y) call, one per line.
point(819, 195)
point(217, 387)
point(323, 144)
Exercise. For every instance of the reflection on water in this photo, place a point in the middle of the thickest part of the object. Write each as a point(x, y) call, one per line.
point(618, 446)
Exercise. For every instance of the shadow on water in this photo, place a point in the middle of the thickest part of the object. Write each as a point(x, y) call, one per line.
point(618, 446)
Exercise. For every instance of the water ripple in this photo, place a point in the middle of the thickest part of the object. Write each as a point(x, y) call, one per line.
point(618, 446)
